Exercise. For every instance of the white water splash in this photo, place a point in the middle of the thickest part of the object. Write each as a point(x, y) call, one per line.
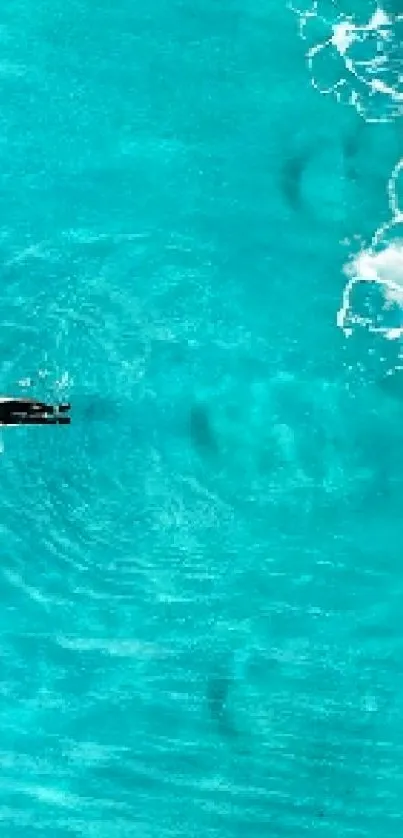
point(359, 63)
point(377, 268)
point(382, 271)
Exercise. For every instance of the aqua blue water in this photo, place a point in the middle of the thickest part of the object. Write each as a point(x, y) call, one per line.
point(201, 582)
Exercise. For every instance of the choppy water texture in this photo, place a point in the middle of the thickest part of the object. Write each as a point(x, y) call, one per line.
point(201, 582)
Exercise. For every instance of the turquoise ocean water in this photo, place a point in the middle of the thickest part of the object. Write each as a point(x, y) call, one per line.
point(201, 582)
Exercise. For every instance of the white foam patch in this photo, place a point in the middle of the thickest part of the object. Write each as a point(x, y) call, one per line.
point(373, 295)
point(359, 63)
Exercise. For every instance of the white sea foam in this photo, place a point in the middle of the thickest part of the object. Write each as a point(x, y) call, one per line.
point(363, 59)
point(380, 267)
point(360, 63)
point(379, 313)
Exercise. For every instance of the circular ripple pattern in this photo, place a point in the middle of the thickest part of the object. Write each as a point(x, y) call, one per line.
point(119, 329)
